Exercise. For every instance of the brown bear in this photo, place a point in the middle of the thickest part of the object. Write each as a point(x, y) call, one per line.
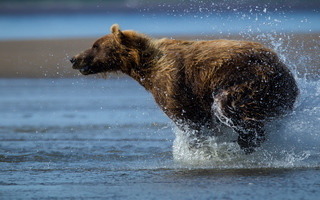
point(200, 83)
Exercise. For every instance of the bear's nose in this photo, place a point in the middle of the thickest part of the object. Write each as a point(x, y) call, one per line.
point(72, 60)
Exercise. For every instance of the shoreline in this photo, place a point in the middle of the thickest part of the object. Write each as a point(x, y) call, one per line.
point(49, 58)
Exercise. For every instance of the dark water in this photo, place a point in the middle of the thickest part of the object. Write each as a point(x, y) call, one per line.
point(106, 139)
point(259, 20)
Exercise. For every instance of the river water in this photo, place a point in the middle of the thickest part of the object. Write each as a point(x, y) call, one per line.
point(97, 138)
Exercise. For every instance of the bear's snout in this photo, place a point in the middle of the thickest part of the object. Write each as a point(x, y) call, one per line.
point(73, 60)
point(79, 64)
point(76, 62)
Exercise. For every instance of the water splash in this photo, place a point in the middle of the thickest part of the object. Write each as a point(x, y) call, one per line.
point(293, 141)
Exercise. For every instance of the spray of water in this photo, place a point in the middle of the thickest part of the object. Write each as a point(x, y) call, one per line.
point(293, 141)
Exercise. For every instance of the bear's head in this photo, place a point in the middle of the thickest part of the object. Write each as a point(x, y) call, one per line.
point(118, 51)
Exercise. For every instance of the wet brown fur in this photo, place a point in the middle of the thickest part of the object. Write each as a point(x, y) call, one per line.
point(239, 83)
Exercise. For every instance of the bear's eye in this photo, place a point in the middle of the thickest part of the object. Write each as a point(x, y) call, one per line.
point(95, 46)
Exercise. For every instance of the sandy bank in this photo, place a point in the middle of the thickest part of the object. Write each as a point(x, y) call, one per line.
point(50, 58)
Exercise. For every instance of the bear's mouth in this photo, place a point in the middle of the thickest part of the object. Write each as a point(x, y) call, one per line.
point(86, 71)
point(80, 65)
point(89, 70)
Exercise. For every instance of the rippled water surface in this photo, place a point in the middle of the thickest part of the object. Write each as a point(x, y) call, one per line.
point(96, 138)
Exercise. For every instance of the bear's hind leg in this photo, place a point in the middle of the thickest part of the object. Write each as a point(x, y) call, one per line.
point(230, 109)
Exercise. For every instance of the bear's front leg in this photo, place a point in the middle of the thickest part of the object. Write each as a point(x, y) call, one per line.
point(250, 137)
point(197, 132)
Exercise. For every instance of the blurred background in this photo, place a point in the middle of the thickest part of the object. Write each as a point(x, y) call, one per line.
point(37, 37)
point(68, 136)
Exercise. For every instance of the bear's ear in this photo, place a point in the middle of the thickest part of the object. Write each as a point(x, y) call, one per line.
point(126, 38)
point(115, 28)
point(117, 33)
